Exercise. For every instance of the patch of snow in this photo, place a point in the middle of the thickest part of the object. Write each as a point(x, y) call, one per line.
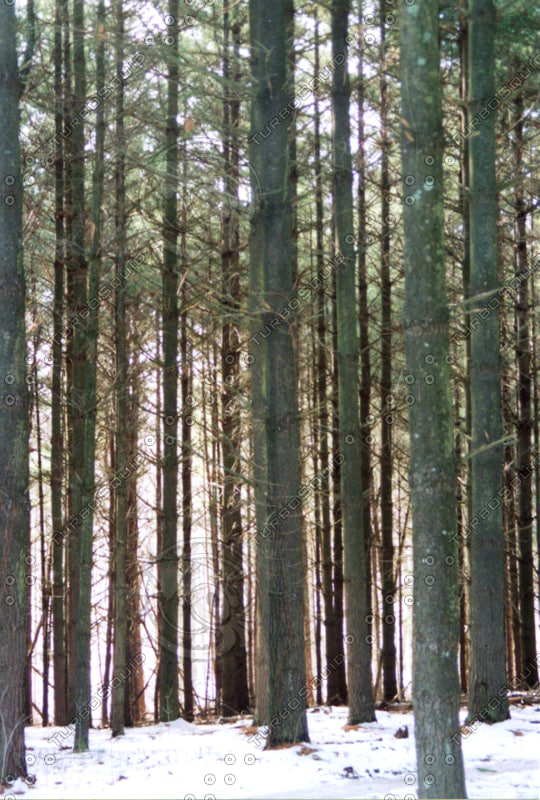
point(190, 761)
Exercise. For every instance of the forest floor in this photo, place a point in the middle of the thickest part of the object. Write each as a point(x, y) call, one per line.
point(192, 761)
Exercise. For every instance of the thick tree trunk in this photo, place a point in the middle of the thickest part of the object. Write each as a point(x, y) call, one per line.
point(14, 422)
point(360, 691)
point(280, 557)
point(168, 549)
point(83, 392)
point(432, 473)
point(487, 670)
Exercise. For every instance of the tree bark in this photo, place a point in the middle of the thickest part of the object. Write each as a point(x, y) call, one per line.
point(235, 696)
point(365, 355)
point(432, 472)
point(336, 693)
point(388, 654)
point(276, 443)
point(83, 389)
point(487, 668)
point(359, 685)
point(57, 445)
point(14, 421)
point(168, 549)
point(529, 660)
point(119, 683)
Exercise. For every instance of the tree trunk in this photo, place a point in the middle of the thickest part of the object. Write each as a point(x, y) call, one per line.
point(235, 696)
point(365, 355)
point(121, 479)
point(487, 670)
point(45, 576)
point(336, 556)
point(277, 442)
point(57, 443)
point(529, 661)
point(187, 459)
point(168, 550)
point(432, 472)
point(14, 421)
point(388, 654)
point(134, 695)
point(360, 691)
point(82, 398)
point(463, 541)
point(335, 694)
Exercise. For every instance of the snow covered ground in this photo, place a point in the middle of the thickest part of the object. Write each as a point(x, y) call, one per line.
point(180, 760)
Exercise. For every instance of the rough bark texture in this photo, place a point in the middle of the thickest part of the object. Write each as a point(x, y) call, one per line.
point(487, 696)
point(432, 471)
point(529, 659)
point(135, 693)
point(121, 405)
point(14, 423)
point(388, 653)
point(79, 675)
point(365, 355)
point(168, 550)
point(336, 687)
point(280, 558)
point(235, 696)
point(359, 685)
point(58, 605)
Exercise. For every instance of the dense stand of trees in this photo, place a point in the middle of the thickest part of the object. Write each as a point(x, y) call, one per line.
point(282, 365)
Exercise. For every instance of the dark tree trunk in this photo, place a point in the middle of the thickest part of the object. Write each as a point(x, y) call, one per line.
point(277, 441)
point(14, 421)
point(487, 670)
point(168, 549)
point(83, 357)
point(463, 542)
point(529, 661)
point(122, 472)
point(57, 443)
point(44, 561)
point(187, 643)
point(360, 691)
point(105, 716)
point(336, 575)
point(388, 654)
point(79, 688)
point(365, 354)
point(432, 472)
point(235, 696)
point(336, 686)
point(134, 696)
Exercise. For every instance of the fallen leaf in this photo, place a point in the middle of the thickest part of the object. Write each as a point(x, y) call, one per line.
point(306, 751)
